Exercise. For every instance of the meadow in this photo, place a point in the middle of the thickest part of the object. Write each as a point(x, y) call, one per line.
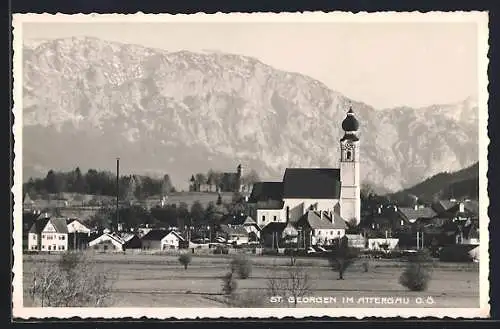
point(161, 281)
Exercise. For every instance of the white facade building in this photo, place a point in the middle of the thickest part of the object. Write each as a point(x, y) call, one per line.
point(334, 190)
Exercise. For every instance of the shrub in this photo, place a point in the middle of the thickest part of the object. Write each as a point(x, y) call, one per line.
point(417, 274)
point(455, 253)
point(69, 261)
point(229, 284)
point(185, 259)
point(365, 267)
point(247, 299)
point(342, 256)
point(220, 250)
point(241, 265)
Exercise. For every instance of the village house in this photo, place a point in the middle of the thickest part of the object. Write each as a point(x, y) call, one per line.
point(48, 234)
point(107, 242)
point(236, 234)
point(320, 228)
point(409, 215)
point(272, 235)
point(161, 240)
point(78, 234)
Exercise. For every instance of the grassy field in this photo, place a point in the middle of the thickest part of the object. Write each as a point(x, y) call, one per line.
point(160, 281)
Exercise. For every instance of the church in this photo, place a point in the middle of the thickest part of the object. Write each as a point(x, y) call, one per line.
point(329, 192)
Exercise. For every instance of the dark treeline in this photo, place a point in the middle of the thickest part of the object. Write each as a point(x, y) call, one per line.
point(215, 178)
point(172, 215)
point(97, 183)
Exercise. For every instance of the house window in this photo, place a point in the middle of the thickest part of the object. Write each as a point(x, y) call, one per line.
point(96, 247)
point(275, 218)
point(43, 236)
point(49, 247)
point(263, 218)
point(34, 237)
point(63, 237)
point(62, 247)
point(402, 223)
point(43, 247)
point(349, 154)
point(338, 232)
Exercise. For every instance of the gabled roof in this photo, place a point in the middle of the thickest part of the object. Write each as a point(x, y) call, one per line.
point(27, 199)
point(443, 205)
point(414, 214)
point(471, 208)
point(38, 225)
point(266, 191)
point(155, 235)
point(274, 227)
point(314, 221)
point(249, 221)
point(312, 183)
point(339, 222)
point(126, 236)
point(234, 230)
point(59, 224)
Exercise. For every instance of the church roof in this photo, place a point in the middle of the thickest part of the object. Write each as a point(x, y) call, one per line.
point(266, 191)
point(311, 183)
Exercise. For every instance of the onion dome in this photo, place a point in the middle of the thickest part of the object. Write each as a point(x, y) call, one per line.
point(350, 123)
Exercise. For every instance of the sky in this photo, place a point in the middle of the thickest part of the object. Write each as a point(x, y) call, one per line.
point(382, 64)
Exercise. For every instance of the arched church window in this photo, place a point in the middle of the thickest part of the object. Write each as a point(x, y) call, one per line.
point(348, 155)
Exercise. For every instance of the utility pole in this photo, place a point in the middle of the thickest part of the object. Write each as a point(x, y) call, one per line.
point(115, 228)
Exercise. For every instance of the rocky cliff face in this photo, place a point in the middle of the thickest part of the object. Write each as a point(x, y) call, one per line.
point(87, 101)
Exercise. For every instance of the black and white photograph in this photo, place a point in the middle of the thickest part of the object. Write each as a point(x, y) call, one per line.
point(251, 165)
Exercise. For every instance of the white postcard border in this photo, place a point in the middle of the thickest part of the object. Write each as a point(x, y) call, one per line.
point(480, 18)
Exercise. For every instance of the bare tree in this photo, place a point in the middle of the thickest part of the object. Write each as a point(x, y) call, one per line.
point(292, 284)
point(73, 282)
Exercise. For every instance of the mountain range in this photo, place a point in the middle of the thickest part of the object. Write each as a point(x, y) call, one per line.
point(87, 101)
point(460, 185)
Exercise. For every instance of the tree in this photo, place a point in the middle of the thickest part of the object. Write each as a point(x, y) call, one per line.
point(200, 179)
point(229, 284)
point(217, 179)
point(166, 185)
point(185, 260)
point(197, 213)
point(130, 191)
point(219, 200)
point(241, 265)
point(342, 256)
point(291, 285)
point(103, 219)
point(183, 217)
point(79, 183)
point(250, 178)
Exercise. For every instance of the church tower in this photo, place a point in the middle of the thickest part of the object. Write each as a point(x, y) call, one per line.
point(350, 199)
